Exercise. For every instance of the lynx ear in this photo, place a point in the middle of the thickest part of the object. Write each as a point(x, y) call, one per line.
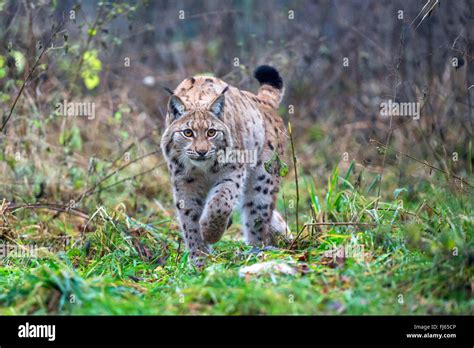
point(176, 107)
point(217, 105)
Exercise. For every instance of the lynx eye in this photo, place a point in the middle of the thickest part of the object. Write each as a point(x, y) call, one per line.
point(188, 133)
point(211, 132)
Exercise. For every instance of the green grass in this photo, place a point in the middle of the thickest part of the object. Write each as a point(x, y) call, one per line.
point(418, 260)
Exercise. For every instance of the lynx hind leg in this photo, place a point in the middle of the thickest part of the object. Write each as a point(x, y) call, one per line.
point(258, 207)
point(278, 224)
point(279, 228)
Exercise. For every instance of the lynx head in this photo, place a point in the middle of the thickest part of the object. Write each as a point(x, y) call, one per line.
point(195, 135)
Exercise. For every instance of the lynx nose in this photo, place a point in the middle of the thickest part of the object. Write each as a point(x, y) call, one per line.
point(201, 153)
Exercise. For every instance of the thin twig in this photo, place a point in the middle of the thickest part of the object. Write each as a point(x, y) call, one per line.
point(343, 223)
point(63, 208)
point(30, 73)
point(428, 12)
point(130, 146)
point(93, 188)
point(423, 162)
point(390, 130)
point(296, 175)
point(125, 179)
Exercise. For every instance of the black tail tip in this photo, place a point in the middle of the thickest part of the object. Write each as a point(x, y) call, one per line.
point(268, 75)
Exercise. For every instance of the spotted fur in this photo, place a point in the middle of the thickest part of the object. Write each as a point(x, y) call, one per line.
point(206, 116)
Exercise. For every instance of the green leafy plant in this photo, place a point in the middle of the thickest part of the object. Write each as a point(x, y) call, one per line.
point(90, 69)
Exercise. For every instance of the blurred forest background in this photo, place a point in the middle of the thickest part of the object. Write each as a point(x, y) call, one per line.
point(135, 49)
point(339, 60)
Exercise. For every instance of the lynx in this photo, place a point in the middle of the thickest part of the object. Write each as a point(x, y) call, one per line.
point(219, 145)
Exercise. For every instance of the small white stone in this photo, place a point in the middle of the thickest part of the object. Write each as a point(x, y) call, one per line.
point(269, 267)
point(149, 81)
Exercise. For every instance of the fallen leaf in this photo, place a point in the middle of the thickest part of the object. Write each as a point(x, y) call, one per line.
point(269, 267)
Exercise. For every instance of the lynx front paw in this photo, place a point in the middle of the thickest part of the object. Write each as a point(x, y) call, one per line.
point(198, 258)
point(212, 228)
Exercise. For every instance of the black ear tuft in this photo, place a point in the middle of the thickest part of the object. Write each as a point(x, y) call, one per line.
point(225, 90)
point(168, 90)
point(268, 75)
